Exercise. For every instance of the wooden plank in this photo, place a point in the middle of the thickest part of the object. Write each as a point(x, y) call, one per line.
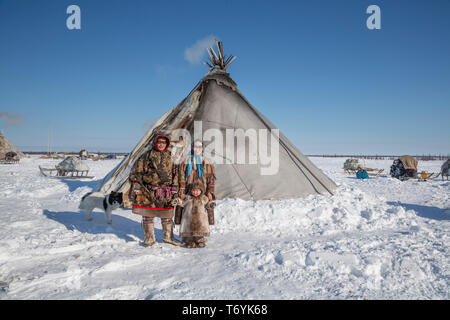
point(219, 47)
point(73, 177)
point(232, 59)
point(210, 56)
point(217, 58)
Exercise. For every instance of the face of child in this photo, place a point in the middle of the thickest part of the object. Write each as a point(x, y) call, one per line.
point(196, 192)
point(198, 148)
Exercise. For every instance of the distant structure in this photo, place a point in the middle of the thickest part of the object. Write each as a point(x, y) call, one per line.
point(445, 169)
point(352, 164)
point(6, 146)
point(84, 154)
point(381, 157)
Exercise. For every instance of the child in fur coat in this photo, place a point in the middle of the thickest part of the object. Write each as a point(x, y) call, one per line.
point(194, 221)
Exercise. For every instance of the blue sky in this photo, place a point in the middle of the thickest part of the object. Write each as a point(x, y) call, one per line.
point(313, 68)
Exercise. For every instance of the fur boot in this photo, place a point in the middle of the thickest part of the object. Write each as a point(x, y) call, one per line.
point(167, 226)
point(200, 242)
point(149, 231)
point(189, 242)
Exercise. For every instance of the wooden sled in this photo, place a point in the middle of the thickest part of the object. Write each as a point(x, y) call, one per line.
point(9, 161)
point(434, 175)
point(370, 171)
point(419, 177)
point(66, 174)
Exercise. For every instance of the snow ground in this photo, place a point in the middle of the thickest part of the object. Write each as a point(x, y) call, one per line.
point(374, 239)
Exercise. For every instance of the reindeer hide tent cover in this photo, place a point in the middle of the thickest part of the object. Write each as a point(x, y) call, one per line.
point(6, 146)
point(218, 104)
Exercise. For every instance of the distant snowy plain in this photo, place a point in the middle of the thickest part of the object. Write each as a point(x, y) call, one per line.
point(375, 239)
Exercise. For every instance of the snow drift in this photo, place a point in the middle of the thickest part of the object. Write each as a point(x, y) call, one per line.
point(375, 239)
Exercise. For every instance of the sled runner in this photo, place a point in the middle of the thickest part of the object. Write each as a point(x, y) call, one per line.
point(434, 175)
point(421, 176)
point(65, 174)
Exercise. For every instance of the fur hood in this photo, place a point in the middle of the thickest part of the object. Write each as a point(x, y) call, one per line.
point(198, 185)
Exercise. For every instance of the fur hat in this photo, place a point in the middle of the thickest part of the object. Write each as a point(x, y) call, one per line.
point(198, 185)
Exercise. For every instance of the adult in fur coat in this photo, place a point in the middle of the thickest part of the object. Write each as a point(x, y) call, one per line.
point(154, 184)
point(194, 225)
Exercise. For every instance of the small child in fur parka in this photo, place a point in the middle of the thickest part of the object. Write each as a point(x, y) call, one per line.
point(194, 222)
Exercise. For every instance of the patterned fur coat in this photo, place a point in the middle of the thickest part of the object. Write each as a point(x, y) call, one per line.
point(156, 177)
point(194, 221)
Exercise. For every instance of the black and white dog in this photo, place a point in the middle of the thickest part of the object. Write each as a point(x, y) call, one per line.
point(98, 200)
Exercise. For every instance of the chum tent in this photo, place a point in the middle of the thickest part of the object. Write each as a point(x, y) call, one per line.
point(217, 104)
point(6, 146)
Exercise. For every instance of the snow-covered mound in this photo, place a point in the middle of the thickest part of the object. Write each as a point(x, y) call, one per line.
point(373, 239)
point(72, 163)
